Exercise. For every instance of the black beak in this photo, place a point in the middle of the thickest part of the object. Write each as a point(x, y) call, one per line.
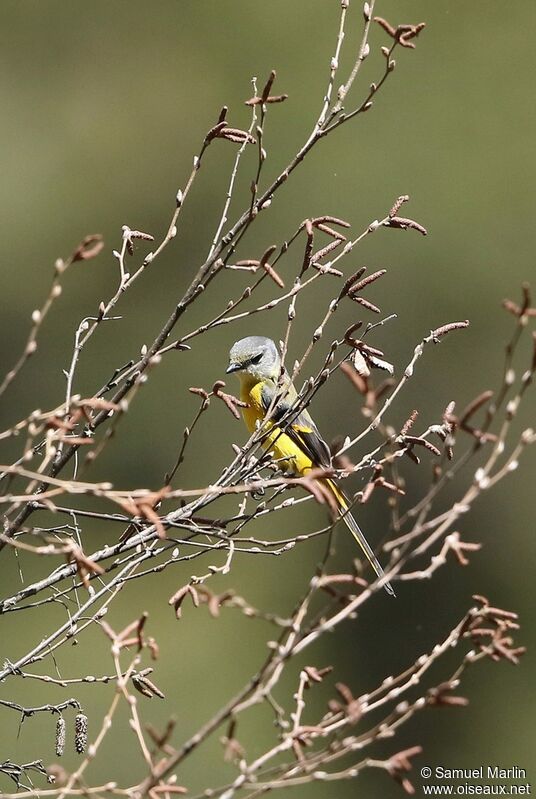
point(233, 367)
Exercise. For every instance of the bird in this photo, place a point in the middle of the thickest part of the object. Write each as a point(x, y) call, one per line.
point(297, 444)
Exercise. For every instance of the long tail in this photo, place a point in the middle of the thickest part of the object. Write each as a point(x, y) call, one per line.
point(354, 528)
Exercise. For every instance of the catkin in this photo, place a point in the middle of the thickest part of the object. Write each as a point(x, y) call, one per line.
point(60, 736)
point(80, 733)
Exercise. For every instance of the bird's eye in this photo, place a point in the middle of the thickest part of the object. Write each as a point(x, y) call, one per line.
point(257, 358)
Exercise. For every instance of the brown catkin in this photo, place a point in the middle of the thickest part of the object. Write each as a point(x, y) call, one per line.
point(80, 733)
point(60, 736)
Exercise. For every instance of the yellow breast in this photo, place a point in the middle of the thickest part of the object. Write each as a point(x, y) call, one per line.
point(288, 454)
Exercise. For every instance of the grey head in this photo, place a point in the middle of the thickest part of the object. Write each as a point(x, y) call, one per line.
point(256, 356)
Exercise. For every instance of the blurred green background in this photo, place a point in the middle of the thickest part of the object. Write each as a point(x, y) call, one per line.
point(104, 105)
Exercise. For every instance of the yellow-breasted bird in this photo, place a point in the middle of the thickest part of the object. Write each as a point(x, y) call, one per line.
point(297, 445)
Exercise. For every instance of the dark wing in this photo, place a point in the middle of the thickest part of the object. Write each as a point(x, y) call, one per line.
point(302, 430)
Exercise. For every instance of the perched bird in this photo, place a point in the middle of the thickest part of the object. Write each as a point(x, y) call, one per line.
point(297, 445)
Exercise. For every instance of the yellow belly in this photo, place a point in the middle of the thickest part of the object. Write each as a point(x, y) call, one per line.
point(289, 456)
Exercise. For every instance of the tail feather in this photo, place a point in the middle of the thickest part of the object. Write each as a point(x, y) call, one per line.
point(357, 533)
